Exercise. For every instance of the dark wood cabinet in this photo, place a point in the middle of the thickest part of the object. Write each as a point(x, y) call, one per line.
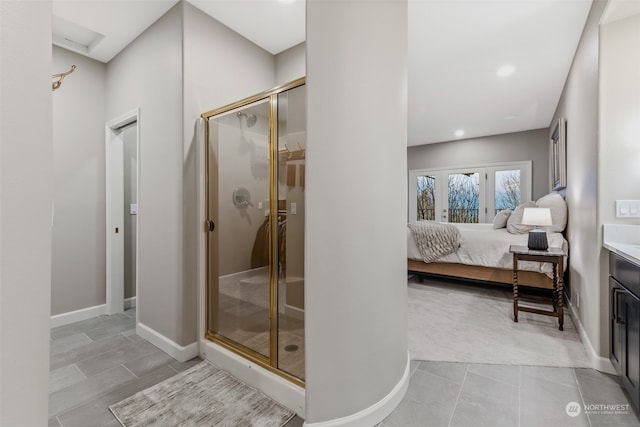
point(624, 309)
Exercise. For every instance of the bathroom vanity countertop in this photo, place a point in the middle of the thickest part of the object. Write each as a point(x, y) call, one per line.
point(623, 240)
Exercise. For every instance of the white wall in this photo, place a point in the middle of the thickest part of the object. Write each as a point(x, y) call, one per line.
point(579, 105)
point(78, 272)
point(619, 153)
point(290, 64)
point(619, 148)
point(148, 75)
point(355, 239)
point(26, 196)
point(511, 147)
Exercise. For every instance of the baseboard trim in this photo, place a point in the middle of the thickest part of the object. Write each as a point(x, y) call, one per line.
point(377, 412)
point(274, 386)
point(598, 362)
point(173, 349)
point(78, 315)
point(129, 303)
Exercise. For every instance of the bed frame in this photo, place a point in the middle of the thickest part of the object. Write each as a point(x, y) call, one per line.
point(475, 272)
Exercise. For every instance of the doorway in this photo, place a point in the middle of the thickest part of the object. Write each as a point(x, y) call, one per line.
point(122, 164)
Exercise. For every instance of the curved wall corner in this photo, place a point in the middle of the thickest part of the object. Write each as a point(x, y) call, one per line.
point(356, 210)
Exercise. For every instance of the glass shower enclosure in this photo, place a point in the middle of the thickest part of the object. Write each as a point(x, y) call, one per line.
point(255, 170)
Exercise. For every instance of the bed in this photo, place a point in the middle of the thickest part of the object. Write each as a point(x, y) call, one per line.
point(484, 255)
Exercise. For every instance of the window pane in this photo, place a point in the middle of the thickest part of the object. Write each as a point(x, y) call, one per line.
point(426, 198)
point(464, 197)
point(507, 189)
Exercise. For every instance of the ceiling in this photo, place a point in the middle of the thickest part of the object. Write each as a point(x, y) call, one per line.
point(455, 50)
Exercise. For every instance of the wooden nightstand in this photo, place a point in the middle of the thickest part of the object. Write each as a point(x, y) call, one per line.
point(555, 256)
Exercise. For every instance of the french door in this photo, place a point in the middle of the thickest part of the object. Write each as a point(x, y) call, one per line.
point(468, 194)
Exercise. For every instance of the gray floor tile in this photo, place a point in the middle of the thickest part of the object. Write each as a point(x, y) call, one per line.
point(486, 402)
point(435, 394)
point(605, 379)
point(562, 376)
point(503, 373)
point(81, 392)
point(77, 327)
point(112, 358)
point(451, 371)
point(296, 421)
point(543, 401)
point(95, 412)
point(411, 414)
point(183, 366)
point(148, 362)
point(64, 377)
point(599, 390)
point(141, 342)
point(413, 366)
point(112, 328)
point(87, 351)
point(69, 343)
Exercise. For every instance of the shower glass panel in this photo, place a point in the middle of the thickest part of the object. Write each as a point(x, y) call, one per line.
point(291, 198)
point(239, 200)
point(255, 208)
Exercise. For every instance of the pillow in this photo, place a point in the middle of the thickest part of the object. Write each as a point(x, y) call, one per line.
point(514, 223)
point(556, 203)
point(500, 220)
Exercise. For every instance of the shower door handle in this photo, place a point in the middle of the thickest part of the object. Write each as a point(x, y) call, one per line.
point(209, 225)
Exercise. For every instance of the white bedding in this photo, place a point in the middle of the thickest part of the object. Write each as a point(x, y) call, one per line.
point(485, 246)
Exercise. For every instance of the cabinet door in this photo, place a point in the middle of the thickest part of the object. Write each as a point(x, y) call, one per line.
point(616, 307)
point(631, 348)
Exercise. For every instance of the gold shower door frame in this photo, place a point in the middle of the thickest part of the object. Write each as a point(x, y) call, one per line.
point(271, 362)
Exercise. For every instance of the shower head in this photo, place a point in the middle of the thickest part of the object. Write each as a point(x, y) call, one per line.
point(251, 120)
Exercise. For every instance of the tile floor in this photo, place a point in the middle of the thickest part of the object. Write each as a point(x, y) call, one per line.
point(478, 395)
point(98, 362)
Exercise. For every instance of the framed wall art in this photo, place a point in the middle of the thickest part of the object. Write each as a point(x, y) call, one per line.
point(559, 155)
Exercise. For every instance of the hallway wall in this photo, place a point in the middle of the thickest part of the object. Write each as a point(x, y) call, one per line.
point(148, 74)
point(78, 270)
point(26, 197)
point(579, 105)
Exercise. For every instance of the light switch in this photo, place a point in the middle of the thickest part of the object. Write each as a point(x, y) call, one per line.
point(133, 209)
point(259, 205)
point(627, 208)
point(294, 208)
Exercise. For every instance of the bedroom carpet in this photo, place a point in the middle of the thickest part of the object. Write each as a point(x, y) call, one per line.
point(204, 395)
point(474, 324)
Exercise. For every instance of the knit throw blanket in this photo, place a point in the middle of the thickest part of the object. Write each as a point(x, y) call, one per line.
point(434, 239)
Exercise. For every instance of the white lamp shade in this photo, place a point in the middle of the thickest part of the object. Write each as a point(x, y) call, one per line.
point(536, 216)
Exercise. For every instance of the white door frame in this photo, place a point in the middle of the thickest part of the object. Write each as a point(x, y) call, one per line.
point(115, 209)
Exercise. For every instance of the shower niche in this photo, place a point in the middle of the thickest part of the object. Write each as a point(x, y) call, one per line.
point(255, 204)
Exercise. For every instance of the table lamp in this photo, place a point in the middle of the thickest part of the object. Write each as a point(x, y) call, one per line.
point(537, 217)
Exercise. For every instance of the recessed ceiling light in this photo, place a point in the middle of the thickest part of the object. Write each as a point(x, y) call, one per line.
point(287, 1)
point(510, 117)
point(459, 133)
point(505, 71)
